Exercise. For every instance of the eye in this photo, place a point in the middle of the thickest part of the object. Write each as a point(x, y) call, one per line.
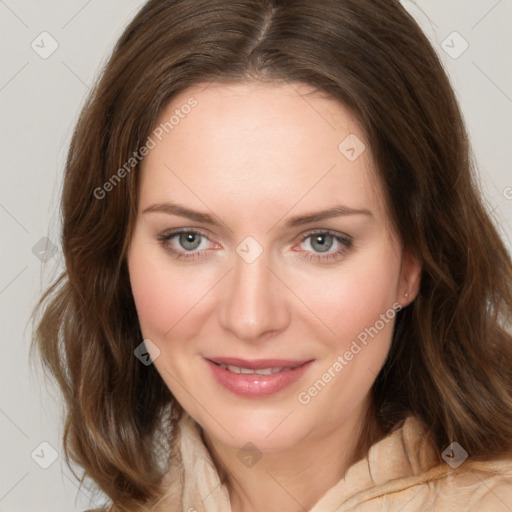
point(186, 243)
point(324, 245)
point(319, 245)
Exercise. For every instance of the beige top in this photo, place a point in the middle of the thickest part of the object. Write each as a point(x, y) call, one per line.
point(401, 472)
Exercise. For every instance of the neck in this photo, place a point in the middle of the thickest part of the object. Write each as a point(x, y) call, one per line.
point(296, 478)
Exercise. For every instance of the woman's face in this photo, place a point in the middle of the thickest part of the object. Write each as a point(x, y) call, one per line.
point(263, 263)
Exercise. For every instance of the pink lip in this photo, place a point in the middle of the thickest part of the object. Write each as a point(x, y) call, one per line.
point(254, 385)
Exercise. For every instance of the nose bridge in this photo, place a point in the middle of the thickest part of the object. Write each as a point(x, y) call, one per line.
point(254, 303)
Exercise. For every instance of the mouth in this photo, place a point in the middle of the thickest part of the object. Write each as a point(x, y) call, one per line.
point(257, 377)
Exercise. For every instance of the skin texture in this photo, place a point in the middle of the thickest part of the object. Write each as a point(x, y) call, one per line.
point(254, 155)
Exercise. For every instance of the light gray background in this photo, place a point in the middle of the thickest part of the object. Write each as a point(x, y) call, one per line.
point(39, 103)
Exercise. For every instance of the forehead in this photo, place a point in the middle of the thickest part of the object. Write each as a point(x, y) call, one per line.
point(263, 147)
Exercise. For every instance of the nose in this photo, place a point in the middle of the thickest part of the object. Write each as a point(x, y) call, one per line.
point(254, 303)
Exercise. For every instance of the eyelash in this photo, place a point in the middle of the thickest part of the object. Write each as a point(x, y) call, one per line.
point(345, 242)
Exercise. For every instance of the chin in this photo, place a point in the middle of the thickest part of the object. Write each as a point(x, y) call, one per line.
point(269, 429)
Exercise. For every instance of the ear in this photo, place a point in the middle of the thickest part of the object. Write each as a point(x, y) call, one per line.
point(410, 278)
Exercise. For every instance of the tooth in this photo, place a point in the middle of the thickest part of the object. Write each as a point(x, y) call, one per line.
point(264, 371)
point(248, 371)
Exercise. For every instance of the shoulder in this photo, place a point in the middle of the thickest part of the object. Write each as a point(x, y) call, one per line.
point(425, 479)
point(498, 496)
point(475, 485)
point(485, 486)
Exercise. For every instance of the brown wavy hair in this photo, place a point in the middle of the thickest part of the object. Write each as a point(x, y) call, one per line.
point(451, 357)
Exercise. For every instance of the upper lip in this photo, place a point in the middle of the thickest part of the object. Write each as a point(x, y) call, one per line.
point(258, 364)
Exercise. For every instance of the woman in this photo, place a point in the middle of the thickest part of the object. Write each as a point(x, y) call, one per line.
point(282, 290)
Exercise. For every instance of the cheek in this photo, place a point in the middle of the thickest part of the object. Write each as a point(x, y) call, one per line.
point(352, 299)
point(163, 297)
point(358, 304)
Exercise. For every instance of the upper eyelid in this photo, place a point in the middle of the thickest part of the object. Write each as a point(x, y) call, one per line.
point(332, 232)
point(169, 233)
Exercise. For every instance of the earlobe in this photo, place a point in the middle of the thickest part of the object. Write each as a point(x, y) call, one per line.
point(410, 278)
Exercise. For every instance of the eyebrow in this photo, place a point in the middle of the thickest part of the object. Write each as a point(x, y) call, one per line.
point(182, 211)
point(299, 220)
point(336, 211)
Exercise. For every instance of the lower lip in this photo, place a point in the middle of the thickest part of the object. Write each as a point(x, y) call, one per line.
point(254, 385)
